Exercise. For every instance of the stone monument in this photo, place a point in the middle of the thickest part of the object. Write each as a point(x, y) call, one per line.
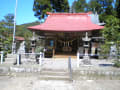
point(113, 51)
point(21, 49)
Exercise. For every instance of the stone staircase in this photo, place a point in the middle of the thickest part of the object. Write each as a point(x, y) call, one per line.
point(65, 56)
point(11, 58)
point(47, 74)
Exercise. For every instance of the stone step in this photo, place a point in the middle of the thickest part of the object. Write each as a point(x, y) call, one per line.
point(9, 63)
point(65, 56)
point(11, 55)
point(10, 60)
point(53, 77)
point(53, 70)
point(63, 59)
point(54, 73)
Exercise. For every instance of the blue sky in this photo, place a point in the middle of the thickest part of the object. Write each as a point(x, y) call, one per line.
point(25, 13)
point(24, 10)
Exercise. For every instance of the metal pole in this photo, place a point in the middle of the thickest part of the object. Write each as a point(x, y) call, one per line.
point(13, 44)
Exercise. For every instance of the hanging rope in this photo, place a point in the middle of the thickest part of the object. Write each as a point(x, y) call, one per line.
point(67, 42)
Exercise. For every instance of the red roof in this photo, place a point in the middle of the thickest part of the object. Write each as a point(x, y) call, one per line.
point(67, 22)
point(19, 38)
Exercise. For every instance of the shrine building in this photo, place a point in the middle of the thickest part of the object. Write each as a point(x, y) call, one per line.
point(63, 33)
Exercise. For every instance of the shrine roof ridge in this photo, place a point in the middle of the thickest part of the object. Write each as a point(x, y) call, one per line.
point(49, 13)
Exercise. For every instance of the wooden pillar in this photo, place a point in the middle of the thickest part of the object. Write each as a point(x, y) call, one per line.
point(53, 52)
point(78, 42)
point(54, 48)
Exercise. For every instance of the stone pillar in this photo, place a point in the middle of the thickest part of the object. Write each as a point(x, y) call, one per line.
point(93, 49)
point(86, 51)
point(2, 56)
point(78, 59)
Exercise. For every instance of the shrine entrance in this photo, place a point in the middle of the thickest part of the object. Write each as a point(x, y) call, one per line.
point(66, 44)
point(63, 44)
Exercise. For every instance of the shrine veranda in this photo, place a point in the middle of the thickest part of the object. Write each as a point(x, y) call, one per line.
point(69, 43)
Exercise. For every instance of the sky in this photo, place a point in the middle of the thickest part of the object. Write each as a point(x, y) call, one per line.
point(25, 13)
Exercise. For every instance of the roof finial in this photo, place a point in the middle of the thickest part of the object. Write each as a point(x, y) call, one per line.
point(94, 11)
point(70, 10)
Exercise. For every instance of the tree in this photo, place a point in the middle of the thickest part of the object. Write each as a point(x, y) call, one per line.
point(118, 8)
point(40, 7)
point(94, 6)
point(6, 27)
point(6, 39)
point(111, 32)
point(22, 31)
point(101, 6)
point(60, 5)
point(112, 29)
point(79, 6)
point(108, 7)
point(9, 20)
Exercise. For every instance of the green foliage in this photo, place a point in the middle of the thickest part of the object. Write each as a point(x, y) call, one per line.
point(94, 5)
point(60, 5)
point(79, 6)
point(39, 49)
point(6, 27)
point(101, 6)
point(6, 31)
point(22, 31)
point(117, 64)
point(117, 7)
point(105, 48)
point(9, 20)
point(40, 7)
point(111, 32)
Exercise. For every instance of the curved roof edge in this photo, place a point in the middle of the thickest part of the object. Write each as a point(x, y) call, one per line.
point(67, 22)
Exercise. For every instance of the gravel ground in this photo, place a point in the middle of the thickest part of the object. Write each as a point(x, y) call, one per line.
point(32, 82)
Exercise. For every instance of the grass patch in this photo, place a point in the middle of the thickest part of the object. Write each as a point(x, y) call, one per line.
point(117, 64)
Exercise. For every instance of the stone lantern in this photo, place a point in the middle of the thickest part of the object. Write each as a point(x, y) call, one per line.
point(33, 43)
point(86, 46)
